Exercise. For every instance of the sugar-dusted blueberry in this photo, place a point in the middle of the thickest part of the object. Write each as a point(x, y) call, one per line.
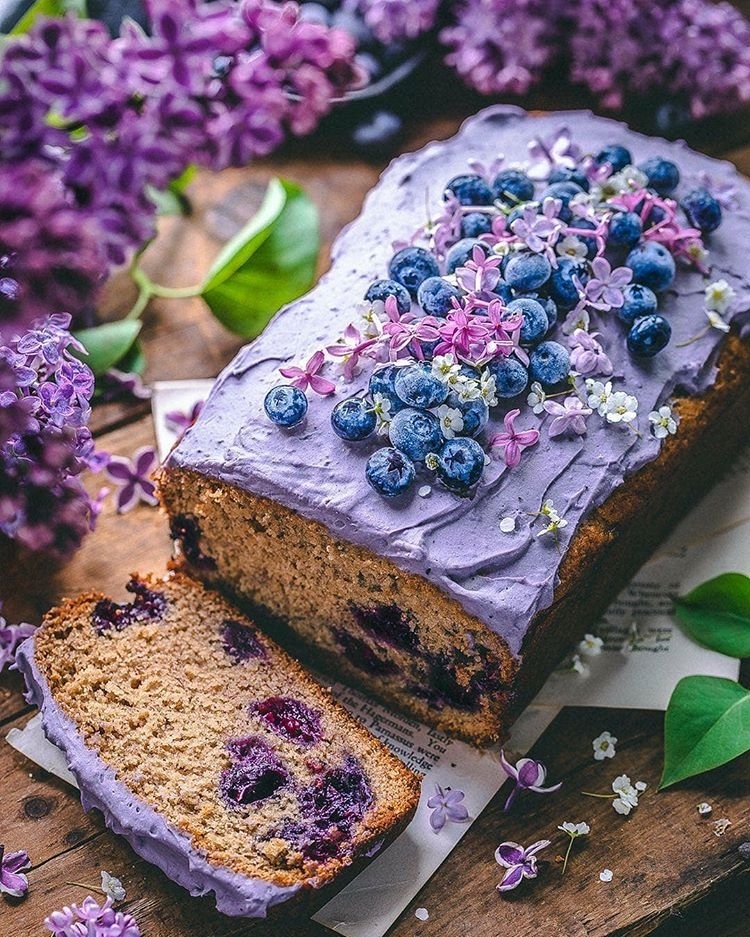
point(353, 419)
point(382, 289)
point(290, 718)
point(411, 266)
point(461, 252)
point(652, 265)
point(662, 174)
point(475, 223)
point(435, 294)
point(648, 336)
point(459, 464)
point(415, 433)
point(475, 414)
point(560, 285)
point(383, 382)
point(616, 155)
point(639, 301)
point(702, 209)
point(470, 189)
point(625, 230)
point(549, 364)
point(390, 472)
point(565, 192)
point(526, 271)
point(513, 186)
point(511, 377)
point(285, 405)
point(569, 174)
point(535, 321)
point(417, 386)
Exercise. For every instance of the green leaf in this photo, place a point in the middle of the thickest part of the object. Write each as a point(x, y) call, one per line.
point(108, 343)
point(172, 200)
point(267, 264)
point(707, 724)
point(134, 362)
point(46, 8)
point(717, 614)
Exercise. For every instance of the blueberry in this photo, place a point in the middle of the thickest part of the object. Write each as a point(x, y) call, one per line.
point(356, 27)
point(461, 252)
point(639, 301)
point(475, 223)
point(549, 305)
point(475, 414)
point(589, 242)
point(411, 266)
point(560, 285)
point(702, 209)
point(512, 186)
point(389, 472)
point(285, 405)
point(470, 189)
point(415, 433)
point(511, 377)
point(564, 191)
point(459, 464)
point(625, 230)
point(435, 294)
point(353, 419)
point(663, 175)
point(535, 321)
point(566, 174)
point(526, 271)
point(648, 336)
point(617, 156)
point(378, 134)
point(654, 214)
point(290, 718)
point(382, 289)
point(549, 364)
point(652, 266)
point(417, 386)
point(383, 382)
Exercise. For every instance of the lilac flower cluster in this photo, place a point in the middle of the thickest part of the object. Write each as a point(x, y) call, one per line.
point(45, 444)
point(391, 20)
point(91, 125)
point(90, 919)
point(693, 49)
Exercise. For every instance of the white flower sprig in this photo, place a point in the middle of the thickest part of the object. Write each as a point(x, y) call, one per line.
point(574, 831)
point(663, 424)
point(604, 746)
point(625, 797)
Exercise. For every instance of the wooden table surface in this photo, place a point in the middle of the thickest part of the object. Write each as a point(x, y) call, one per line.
point(672, 874)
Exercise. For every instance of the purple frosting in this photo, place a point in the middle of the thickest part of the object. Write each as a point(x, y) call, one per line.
point(503, 579)
point(147, 831)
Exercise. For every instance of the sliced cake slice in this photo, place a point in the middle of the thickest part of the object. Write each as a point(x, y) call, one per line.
point(209, 748)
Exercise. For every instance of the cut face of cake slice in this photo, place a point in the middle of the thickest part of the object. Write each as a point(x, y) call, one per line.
point(208, 748)
point(532, 382)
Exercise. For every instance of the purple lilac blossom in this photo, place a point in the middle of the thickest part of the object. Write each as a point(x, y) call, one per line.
point(91, 919)
point(446, 805)
point(518, 862)
point(12, 866)
point(11, 637)
point(569, 416)
point(45, 445)
point(528, 775)
point(133, 476)
point(177, 421)
point(398, 19)
point(514, 441)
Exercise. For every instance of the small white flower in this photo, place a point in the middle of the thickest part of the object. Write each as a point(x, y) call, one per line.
point(575, 829)
point(421, 914)
point(445, 368)
point(451, 421)
point(554, 527)
point(488, 389)
point(381, 406)
point(466, 389)
point(704, 809)
point(369, 319)
point(715, 321)
point(590, 646)
point(605, 875)
point(640, 786)
point(548, 510)
point(508, 525)
point(580, 666)
point(721, 826)
point(697, 253)
point(621, 407)
point(599, 394)
point(604, 746)
point(112, 887)
point(627, 794)
point(662, 422)
point(571, 247)
point(719, 296)
point(579, 319)
point(536, 398)
point(424, 491)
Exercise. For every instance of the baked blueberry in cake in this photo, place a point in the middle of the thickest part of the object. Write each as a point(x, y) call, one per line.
point(208, 748)
point(431, 473)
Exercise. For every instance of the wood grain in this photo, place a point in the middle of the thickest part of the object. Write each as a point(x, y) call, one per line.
point(672, 876)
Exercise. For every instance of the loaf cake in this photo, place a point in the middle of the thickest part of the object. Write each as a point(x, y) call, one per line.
point(207, 747)
point(575, 308)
